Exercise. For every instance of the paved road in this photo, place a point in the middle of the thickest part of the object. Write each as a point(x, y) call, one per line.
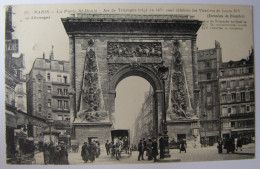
point(201, 154)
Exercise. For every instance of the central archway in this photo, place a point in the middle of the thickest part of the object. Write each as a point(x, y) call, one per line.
point(147, 73)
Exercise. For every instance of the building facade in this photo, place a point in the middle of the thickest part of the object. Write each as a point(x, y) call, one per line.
point(209, 61)
point(47, 93)
point(237, 98)
point(145, 120)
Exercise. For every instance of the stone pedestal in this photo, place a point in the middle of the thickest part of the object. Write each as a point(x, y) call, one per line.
point(84, 131)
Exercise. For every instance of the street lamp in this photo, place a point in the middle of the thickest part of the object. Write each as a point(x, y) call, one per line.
point(163, 70)
point(49, 120)
point(205, 116)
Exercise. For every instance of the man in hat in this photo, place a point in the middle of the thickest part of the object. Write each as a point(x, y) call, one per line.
point(154, 149)
point(141, 150)
point(161, 145)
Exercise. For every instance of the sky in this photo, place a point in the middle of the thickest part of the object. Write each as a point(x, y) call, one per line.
point(38, 35)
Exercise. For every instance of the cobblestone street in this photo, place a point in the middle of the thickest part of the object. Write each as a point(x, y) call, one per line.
point(201, 154)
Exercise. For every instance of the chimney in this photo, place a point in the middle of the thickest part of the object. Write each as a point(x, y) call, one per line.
point(51, 54)
point(43, 55)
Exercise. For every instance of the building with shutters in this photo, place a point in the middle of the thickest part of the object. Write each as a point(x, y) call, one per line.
point(47, 93)
point(209, 61)
point(237, 98)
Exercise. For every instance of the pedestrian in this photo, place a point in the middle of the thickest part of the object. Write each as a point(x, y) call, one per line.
point(154, 149)
point(92, 152)
point(56, 156)
point(107, 145)
point(149, 149)
point(140, 150)
point(183, 146)
point(85, 152)
point(220, 146)
point(51, 149)
point(239, 144)
point(63, 155)
point(144, 144)
point(161, 146)
point(46, 154)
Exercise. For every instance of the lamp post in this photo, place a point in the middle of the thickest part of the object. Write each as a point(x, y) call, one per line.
point(205, 116)
point(49, 120)
point(163, 70)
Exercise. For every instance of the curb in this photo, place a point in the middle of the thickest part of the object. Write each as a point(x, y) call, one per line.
point(244, 153)
point(168, 160)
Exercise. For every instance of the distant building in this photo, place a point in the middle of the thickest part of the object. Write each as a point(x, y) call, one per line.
point(144, 123)
point(209, 61)
point(237, 98)
point(47, 93)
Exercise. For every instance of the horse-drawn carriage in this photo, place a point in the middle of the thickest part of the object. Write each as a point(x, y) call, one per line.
point(121, 143)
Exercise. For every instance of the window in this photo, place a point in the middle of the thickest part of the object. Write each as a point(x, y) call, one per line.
point(59, 91)
point(208, 86)
point(65, 91)
point(251, 70)
point(61, 67)
point(208, 76)
point(243, 108)
point(66, 105)
point(39, 94)
point(241, 83)
point(233, 111)
point(242, 94)
point(252, 95)
point(65, 79)
point(224, 98)
point(247, 108)
point(49, 76)
point(231, 72)
point(233, 97)
point(223, 85)
point(59, 78)
point(252, 107)
point(232, 124)
point(232, 84)
point(59, 104)
point(222, 73)
point(209, 100)
point(39, 108)
point(207, 64)
point(229, 110)
point(49, 102)
point(49, 89)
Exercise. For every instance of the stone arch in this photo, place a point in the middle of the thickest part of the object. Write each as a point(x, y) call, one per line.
point(149, 74)
point(142, 71)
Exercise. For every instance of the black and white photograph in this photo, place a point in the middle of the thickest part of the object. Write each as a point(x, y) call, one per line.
point(105, 84)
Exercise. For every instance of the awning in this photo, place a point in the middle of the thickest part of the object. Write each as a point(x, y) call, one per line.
point(243, 129)
point(10, 119)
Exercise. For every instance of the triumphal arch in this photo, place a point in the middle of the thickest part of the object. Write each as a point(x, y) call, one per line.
point(104, 49)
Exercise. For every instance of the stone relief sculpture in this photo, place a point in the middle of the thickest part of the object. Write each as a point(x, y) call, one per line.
point(178, 98)
point(91, 94)
point(134, 49)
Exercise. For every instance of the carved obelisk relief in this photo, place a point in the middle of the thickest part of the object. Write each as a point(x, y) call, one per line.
point(91, 104)
point(179, 94)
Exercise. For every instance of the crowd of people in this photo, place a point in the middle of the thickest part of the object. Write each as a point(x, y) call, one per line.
point(231, 144)
point(90, 151)
point(57, 155)
point(116, 146)
point(150, 148)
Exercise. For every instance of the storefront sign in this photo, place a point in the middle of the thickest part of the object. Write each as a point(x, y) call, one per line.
point(11, 46)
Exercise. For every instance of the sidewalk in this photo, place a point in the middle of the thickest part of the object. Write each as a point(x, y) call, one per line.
point(247, 150)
